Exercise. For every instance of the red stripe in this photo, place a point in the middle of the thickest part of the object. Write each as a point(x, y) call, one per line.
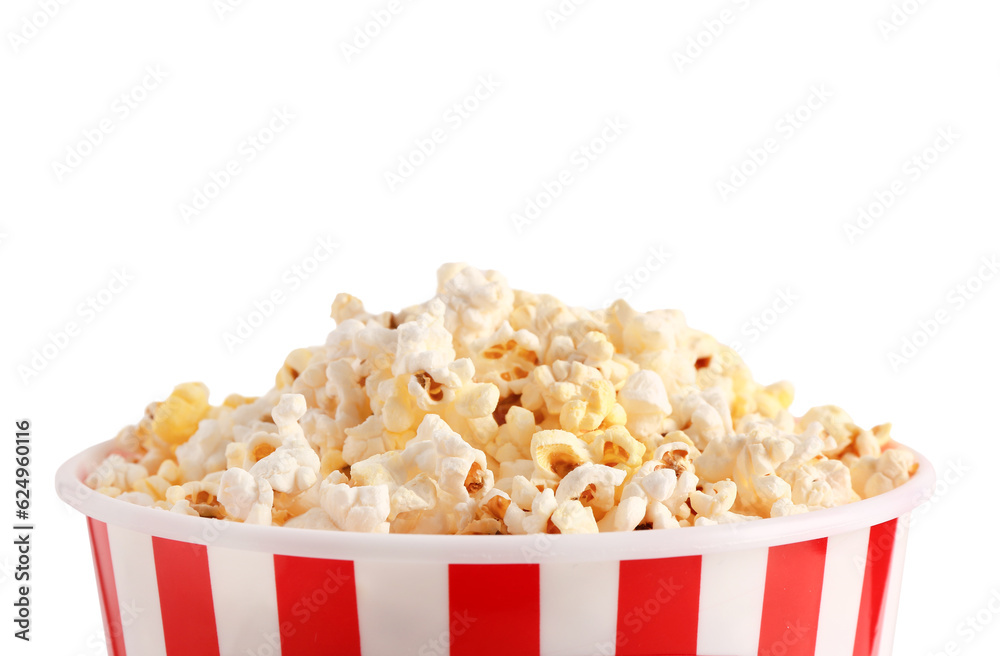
point(792, 594)
point(186, 604)
point(108, 591)
point(317, 606)
point(658, 606)
point(495, 610)
point(881, 541)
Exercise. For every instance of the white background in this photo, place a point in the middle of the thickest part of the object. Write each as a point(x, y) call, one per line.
point(885, 91)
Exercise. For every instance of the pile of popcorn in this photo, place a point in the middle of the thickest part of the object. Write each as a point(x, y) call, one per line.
point(488, 410)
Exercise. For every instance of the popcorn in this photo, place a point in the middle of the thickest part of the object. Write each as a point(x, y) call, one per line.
point(573, 517)
point(583, 414)
point(836, 423)
point(539, 519)
point(246, 498)
point(644, 399)
point(294, 466)
point(451, 393)
point(364, 509)
point(314, 518)
point(495, 503)
point(656, 496)
point(205, 451)
point(703, 416)
point(551, 387)
point(678, 456)
point(183, 507)
point(823, 485)
point(785, 508)
point(343, 387)
point(486, 411)
point(295, 364)
point(246, 454)
point(201, 497)
point(592, 485)
point(476, 301)
point(718, 460)
point(506, 357)
point(138, 498)
point(176, 419)
point(557, 453)
point(484, 526)
point(312, 384)
point(716, 501)
point(513, 439)
point(459, 469)
point(872, 475)
point(758, 485)
point(424, 344)
point(615, 446)
point(116, 472)
point(523, 493)
point(154, 487)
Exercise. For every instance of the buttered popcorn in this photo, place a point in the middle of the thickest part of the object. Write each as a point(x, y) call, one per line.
point(488, 410)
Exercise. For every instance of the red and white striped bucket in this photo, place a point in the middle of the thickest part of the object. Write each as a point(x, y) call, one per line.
point(821, 584)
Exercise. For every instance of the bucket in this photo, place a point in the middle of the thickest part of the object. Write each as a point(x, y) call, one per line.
point(824, 583)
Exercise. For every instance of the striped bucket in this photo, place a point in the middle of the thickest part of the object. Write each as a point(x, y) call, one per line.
point(821, 584)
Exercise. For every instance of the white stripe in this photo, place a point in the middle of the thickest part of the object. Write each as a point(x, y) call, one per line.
point(394, 621)
point(579, 608)
point(138, 594)
point(732, 602)
point(246, 601)
point(843, 581)
point(893, 588)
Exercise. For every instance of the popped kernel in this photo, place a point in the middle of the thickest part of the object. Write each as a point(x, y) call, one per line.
point(295, 364)
point(557, 453)
point(615, 446)
point(593, 486)
point(177, 418)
